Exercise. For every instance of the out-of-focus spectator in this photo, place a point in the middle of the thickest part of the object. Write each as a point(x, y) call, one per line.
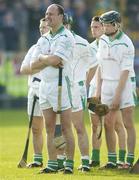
point(35, 13)
point(3, 11)
point(133, 14)
point(82, 18)
point(67, 4)
point(20, 16)
point(10, 33)
point(101, 6)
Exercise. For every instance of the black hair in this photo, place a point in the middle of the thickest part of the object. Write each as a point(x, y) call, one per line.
point(60, 9)
point(96, 18)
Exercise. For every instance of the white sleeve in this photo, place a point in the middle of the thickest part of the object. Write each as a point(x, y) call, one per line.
point(28, 56)
point(127, 62)
point(92, 57)
point(65, 48)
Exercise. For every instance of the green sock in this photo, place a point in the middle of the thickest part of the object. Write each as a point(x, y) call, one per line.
point(53, 164)
point(69, 163)
point(60, 160)
point(112, 157)
point(37, 158)
point(130, 158)
point(122, 155)
point(85, 161)
point(95, 155)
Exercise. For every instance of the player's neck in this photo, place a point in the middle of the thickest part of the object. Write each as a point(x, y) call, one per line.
point(56, 29)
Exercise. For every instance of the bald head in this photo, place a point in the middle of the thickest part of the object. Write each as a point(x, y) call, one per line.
point(54, 15)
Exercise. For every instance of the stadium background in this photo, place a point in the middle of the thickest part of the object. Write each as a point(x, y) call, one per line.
point(19, 22)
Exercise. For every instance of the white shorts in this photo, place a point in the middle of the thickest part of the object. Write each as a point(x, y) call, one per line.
point(76, 98)
point(31, 93)
point(108, 92)
point(83, 93)
point(48, 94)
point(133, 81)
point(92, 89)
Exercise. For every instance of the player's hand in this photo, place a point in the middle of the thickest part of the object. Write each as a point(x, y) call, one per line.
point(59, 65)
point(115, 103)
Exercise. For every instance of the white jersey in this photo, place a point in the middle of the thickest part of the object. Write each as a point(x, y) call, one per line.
point(83, 59)
point(115, 56)
point(94, 47)
point(61, 45)
point(28, 58)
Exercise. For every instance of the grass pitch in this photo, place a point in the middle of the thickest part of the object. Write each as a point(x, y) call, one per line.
point(13, 132)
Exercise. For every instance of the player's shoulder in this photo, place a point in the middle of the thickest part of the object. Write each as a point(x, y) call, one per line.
point(68, 33)
point(94, 44)
point(31, 49)
point(80, 40)
point(104, 38)
point(127, 40)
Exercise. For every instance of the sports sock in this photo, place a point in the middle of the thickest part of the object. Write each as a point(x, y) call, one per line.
point(95, 155)
point(60, 160)
point(130, 158)
point(69, 163)
point(52, 164)
point(122, 154)
point(37, 158)
point(112, 157)
point(85, 160)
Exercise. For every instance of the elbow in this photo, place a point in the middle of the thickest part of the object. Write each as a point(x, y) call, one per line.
point(33, 66)
point(22, 70)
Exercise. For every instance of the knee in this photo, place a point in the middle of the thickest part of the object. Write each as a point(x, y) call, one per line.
point(108, 125)
point(36, 131)
point(127, 115)
point(80, 128)
point(128, 125)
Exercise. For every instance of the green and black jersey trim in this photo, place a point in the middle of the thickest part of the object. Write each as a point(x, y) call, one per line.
point(69, 89)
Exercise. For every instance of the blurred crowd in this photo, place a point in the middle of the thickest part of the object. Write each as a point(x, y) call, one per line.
point(19, 20)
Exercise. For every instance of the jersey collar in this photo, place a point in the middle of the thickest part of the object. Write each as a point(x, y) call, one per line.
point(57, 32)
point(118, 36)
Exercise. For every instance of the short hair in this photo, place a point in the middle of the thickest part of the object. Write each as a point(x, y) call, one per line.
point(60, 9)
point(96, 18)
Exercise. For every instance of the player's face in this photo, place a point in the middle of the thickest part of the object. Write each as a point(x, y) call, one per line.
point(44, 28)
point(109, 29)
point(53, 17)
point(96, 29)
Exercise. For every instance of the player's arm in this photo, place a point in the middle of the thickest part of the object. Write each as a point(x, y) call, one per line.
point(98, 83)
point(46, 60)
point(123, 79)
point(90, 75)
point(26, 69)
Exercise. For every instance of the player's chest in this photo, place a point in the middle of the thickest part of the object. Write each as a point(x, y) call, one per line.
point(111, 51)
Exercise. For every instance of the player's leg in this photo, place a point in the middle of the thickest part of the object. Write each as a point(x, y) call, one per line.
point(108, 92)
point(109, 124)
point(37, 128)
point(78, 104)
point(83, 142)
point(127, 114)
point(96, 143)
point(50, 120)
point(69, 138)
point(121, 133)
